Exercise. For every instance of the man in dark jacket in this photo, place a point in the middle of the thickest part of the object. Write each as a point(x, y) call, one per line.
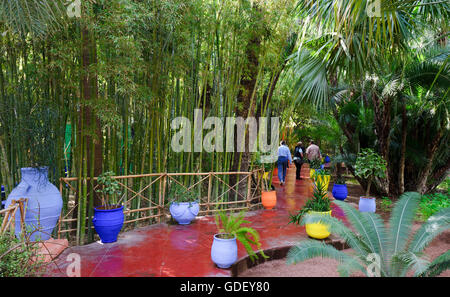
point(298, 158)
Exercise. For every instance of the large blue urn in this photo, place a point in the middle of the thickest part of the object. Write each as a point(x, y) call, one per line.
point(43, 206)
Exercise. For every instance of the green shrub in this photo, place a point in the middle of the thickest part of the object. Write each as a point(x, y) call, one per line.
point(432, 203)
point(178, 193)
point(16, 257)
point(320, 202)
point(386, 204)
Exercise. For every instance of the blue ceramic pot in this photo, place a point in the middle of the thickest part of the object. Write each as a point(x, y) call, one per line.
point(340, 192)
point(108, 223)
point(44, 203)
point(184, 212)
point(367, 204)
point(224, 251)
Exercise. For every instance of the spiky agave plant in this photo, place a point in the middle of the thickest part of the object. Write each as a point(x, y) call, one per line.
point(396, 248)
point(230, 226)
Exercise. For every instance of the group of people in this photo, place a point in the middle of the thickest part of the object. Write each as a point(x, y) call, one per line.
point(312, 152)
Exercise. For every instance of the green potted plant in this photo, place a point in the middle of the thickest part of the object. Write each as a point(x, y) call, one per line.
point(369, 165)
point(319, 204)
point(184, 206)
point(108, 217)
point(314, 165)
point(224, 247)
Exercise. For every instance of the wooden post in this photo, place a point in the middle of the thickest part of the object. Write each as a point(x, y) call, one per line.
point(209, 192)
point(249, 189)
point(62, 210)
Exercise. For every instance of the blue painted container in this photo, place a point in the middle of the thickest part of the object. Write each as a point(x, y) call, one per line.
point(224, 251)
point(367, 204)
point(108, 223)
point(184, 212)
point(44, 203)
point(340, 192)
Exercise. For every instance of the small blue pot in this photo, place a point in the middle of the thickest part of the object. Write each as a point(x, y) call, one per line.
point(367, 204)
point(108, 223)
point(184, 212)
point(224, 251)
point(340, 192)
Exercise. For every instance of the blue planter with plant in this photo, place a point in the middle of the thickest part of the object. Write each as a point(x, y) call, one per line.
point(184, 212)
point(44, 203)
point(109, 217)
point(224, 249)
point(340, 191)
point(183, 207)
point(108, 223)
point(368, 166)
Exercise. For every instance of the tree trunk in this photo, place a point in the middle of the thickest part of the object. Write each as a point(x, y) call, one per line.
point(422, 185)
point(401, 172)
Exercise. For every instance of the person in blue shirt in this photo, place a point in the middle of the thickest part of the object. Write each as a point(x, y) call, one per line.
point(284, 158)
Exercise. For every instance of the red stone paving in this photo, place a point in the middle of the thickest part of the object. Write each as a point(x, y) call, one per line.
point(185, 250)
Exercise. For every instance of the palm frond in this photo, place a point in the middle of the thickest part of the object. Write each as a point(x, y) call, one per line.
point(337, 227)
point(310, 249)
point(439, 265)
point(401, 220)
point(434, 226)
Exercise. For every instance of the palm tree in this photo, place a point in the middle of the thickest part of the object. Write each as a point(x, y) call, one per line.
point(340, 40)
point(397, 249)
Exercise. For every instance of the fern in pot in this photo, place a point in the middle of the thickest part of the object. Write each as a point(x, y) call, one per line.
point(184, 206)
point(108, 217)
point(224, 250)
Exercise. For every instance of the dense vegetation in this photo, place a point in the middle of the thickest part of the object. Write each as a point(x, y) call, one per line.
point(97, 93)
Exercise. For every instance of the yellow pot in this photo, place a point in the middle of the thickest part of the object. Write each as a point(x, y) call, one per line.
point(324, 180)
point(318, 230)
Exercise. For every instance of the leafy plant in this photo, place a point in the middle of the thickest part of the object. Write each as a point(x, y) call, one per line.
point(432, 203)
point(320, 202)
point(340, 180)
point(386, 204)
point(315, 164)
point(230, 227)
point(178, 193)
point(109, 187)
point(397, 247)
point(18, 257)
point(369, 165)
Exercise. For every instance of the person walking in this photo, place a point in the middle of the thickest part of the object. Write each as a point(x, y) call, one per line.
point(298, 159)
point(313, 151)
point(284, 159)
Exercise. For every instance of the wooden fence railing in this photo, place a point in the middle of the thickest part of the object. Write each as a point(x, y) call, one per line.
point(9, 215)
point(145, 197)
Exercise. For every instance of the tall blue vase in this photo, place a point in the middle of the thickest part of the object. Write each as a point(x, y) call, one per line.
point(43, 206)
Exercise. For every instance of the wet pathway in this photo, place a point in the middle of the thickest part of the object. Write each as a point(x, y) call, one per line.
point(177, 250)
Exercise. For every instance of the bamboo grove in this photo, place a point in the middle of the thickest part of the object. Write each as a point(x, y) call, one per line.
point(99, 93)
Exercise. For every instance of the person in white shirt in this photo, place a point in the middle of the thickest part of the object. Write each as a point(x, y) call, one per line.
point(284, 158)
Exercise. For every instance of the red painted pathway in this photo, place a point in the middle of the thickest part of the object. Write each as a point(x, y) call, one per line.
point(177, 250)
